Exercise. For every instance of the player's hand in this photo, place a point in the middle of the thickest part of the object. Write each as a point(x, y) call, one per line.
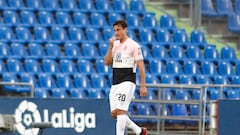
point(111, 40)
point(143, 91)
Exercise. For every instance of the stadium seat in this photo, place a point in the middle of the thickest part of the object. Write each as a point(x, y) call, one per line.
point(220, 80)
point(120, 6)
point(103, 6)
point(98, 81)
point(41, 34)
point(98, 20)
point(28, 18)
point(233, 94)
point(76, 34)
point(102, 68)
point(78, 93)
point(58, 93)
point(3, 4)
point(133, 21)
point(228, 53)
point(207, 8)
point(8, 77)
point(235, 79)
point(64, 81)
point(32, 66)
point(137, 6)
point(51, 5)
point(29, 78)
point(69, 5)
point(63, 19)
point(46, 18)
point(146, 52)
point(146, 35)
point(2, 68)
point(144, 110)
point(36, 50)
point(198, 37)
point(18, 50)
point(168, 79)
point(50, 66)
point(5, 51)
point(46, 81)
point(180, 36)
point(225, 68)
point(152, 79)
point(86, 5)
point(150, 21)
point(156, 67)
point(93, 35)
point(95, 94)
point(15, 66)
point(168, 22)
point(41, 93)
point(72, 51)
point(81, 19)
point(81, 81)
point(208, 68)
point(59, 34)
point(191, 68)
point(237, 68)
point(182, 95)
point(234, 23)
point(211, 52)
point(89, 50)
point(103, 48)
point(67, 66)
point(132, 34)
point(114, 16)
point(163, 36)
point(159, 51)
point(16, 4)
point(177, 52)
point(11, 17)
point(194, 52)
point(186, 79)
point(6, 34)
point(224, 7)
point(34, 4)
point(107, 33)
point(23, 34)
point(179, 110)
point(173, 67)
point(237, 6)
point(53, 50)
point(85, 66)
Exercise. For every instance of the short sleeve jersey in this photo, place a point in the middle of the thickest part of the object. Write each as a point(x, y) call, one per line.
point(125, 55)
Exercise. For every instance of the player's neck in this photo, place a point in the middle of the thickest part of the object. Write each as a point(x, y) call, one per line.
point(124, 39)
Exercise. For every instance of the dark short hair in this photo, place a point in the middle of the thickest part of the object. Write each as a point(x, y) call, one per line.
point(122, 23)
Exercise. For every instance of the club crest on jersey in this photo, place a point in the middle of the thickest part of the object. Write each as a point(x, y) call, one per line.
point(118, 57)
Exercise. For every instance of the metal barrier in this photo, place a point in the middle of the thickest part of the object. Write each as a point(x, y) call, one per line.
point(30, 84)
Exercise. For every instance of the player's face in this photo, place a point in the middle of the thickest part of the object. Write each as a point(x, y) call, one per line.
point(119, 32)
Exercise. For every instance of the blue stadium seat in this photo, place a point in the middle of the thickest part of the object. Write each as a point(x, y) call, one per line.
point(86, 5)
point(233, 23)
point(186, 79)
point(203, 79)
point(41, 34)
point(2, 68)
point(69, 5)
point(63, 19)
point(53, 50)
point(81, 81)
point(180, 36)
point(207, 8)
point(41, 93)
point(103, 6)
point(224, 7)
point(198, 37)
point(208, 68)
point(46, 18)
point(179, 110)
point(46, 81)
point(233, 94)
point(133, 21)
point(76, 34)
point(168, 79)
point(11, 17)
point(163, 36)
point(177, 52)
point(23, 34)
point(146, 35)
point(98, 81)
point(81, 19)
point(28, 18)
point(220, 80)
point(146, 52)
point(93, 35)
point(107, 33)
point(132, 34)
point(59, 34)
point(19, 50)
point(101, 68)
point(58, 93)
point(237, 6)
point(3, 4)
point(150, 21)
point(32, 66)
point(5, 51)
point(137, 6)
point(103, 48)
point(159, 51)
point(15, 66)
point(16, 4)
point(168, 22)
point(114, 16)
point(194, 52)
point(85, 66)
point(182, 95)
point(173, 67)
point(8, 77)
point(89, 50)
point(152, 79)
point(78, 93)
point(98, 20)
point(120, 6)
point(237, 68)
point(156, 66)
point(211, 52)
point(6, 34)
point(34, 4)
point(225, 68)
point(235, 79)
point(29, 78)
point(64, 81)
point(144, 109)
point(50, 66)
point(228, 53)
point(36, 50)
point(72, 50)
point(67, 66)
point(191, 68)
point(51, 5)
point(95, 94)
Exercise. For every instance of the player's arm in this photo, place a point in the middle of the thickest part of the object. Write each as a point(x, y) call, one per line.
point(108, 56)
point(143, 89)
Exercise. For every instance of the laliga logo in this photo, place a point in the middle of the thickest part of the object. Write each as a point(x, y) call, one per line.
point(27, 113)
